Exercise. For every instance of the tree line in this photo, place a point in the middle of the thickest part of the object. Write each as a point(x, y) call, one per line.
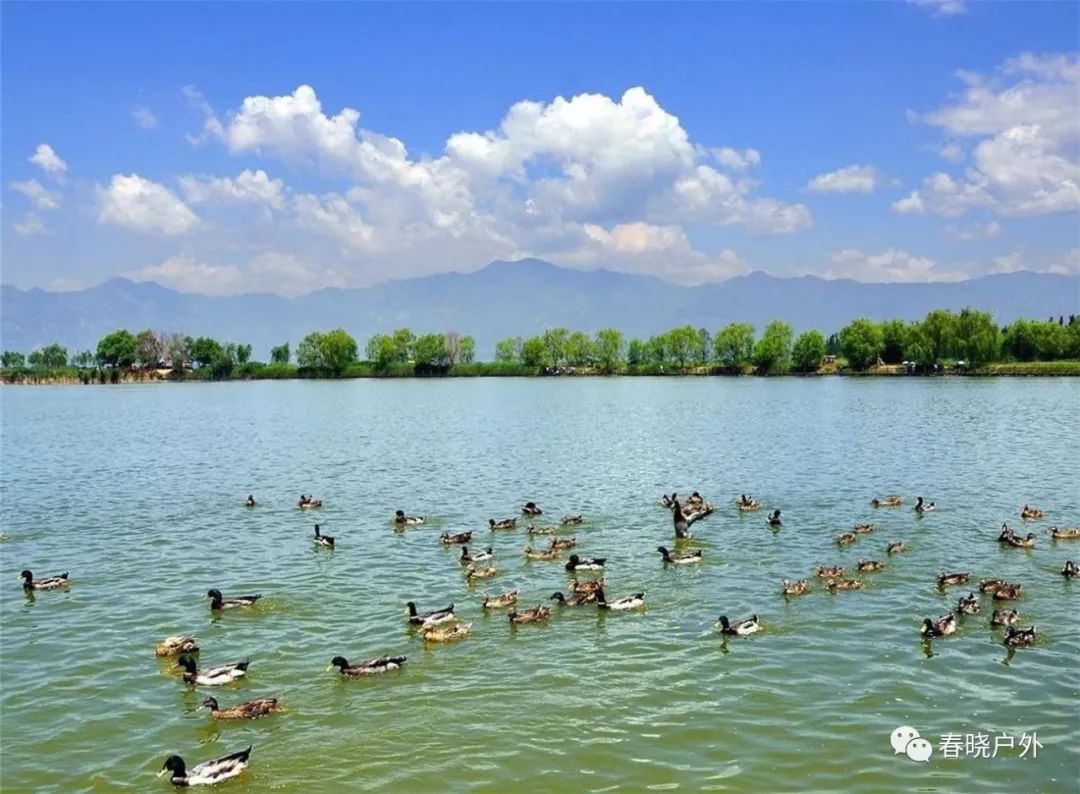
point(971, 336)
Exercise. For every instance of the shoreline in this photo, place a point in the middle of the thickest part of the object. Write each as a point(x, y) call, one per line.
point(23, 377)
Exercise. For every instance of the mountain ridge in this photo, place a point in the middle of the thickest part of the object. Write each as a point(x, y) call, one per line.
point(511, 298)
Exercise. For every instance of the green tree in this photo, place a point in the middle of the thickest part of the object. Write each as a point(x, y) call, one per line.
point(118, 349)
point(978, 339)
point(894, 335)
point(243, 354)
point(919, 346)
point(555, 342)
point(13, 359)
point(734, 345)
point(403, 345)
point(609, 349)
point(636, 352)
point(381, 351)
point(683, 345)
point(508, 350)
point(280, 354)
point(808, 350)
point(939, 328)
point(147, 349)
point(705, 347)
point(534, 352)
point(861, 342)
point(338, 350)
point(53, 356)
point(579, 349)
point(772, 352)
point(467, 350)
point(83, 360)
point(430, 349)
point(205, 351)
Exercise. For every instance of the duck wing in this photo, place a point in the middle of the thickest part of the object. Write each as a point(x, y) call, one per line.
point(220, 768)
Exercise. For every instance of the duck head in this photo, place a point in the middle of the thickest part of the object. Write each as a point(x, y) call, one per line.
point(174, 764)
point(209, 703)
point(187, 663)
point(339, 662)
point(558, 597)
point(27, 578)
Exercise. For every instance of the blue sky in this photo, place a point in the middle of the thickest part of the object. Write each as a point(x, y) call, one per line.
point(285, 147)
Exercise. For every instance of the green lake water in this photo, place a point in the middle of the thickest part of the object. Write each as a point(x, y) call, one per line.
point(138, 491)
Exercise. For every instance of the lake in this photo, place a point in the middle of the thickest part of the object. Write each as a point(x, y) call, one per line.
point(139, 492)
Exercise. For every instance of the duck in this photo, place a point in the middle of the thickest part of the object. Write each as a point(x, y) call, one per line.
point(472, 573)
point(925, 507)
point(588, 586)
point(1065, 534)
point(480, 556)
point(1007, 592)
point(575, 599)
point(248, 710)
point(870, 566)
point(531, 509)
point(680, 520)
point(863, 529)
point(685, 558)
point(843, 584)
point(774, 519)
point(635, 601)
point(325, 541)
point(542, 555)
point(174, 646)
point(895, 547)
point(1030, 513)
point(1070, 570)
point(534, 615)
point(1019, 638)
point(460, 537)
point(212, 676)
point(989, 585)
point(208, 772)
point(217, 602)
point(308, 503)
point(507, 599)
point(404, 520)
point(847, 538)
point(695, 500)
point(250, 501)
point(446, 633)
point(506, 523)
point(748, 504)
point(380, 664)
point(1006, 534)
point(945, 579)
point(571, 521)
point(829, 572)
point(796, 588)
point(740, 628)
point(560, 544)
point(1023, 543)
point(535, 530)
point(968, 606)
point(942, 627)
point(1004, 617)
point(435, 616)
point(669, 501)
point(47, 583)
point(892, 500)
point(576, 563)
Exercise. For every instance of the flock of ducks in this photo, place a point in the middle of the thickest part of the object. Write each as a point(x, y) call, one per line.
point(443, 625)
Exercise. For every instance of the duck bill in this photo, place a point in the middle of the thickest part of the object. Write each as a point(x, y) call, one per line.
point(163, 772)
point(329, 668)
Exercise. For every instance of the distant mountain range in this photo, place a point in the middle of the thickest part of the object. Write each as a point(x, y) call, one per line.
point(510, 299)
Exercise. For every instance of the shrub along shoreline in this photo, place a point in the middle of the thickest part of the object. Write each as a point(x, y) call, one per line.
point(967, 343)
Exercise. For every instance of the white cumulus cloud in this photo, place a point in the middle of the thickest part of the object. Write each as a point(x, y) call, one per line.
point(45, 158)
point(144, 205)
point(284, 272)
point(40, 197)
point(850, 179)
point(975, 231)
point(249, 187)
point(1025, 124)
point(29, 225)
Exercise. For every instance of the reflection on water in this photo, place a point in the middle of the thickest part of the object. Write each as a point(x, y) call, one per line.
point(139, 491)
